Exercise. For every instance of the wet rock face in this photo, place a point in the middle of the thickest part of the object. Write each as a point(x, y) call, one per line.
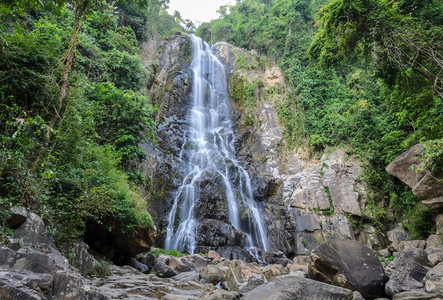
point(304, 201)
point(349, 264)
point(168, 62)
point(215, 233)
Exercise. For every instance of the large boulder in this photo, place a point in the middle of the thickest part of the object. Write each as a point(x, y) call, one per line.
point(409, 167)
point(293, 287)
point(32, 231)
point(348, 264)
point(406, 271)
point(276, 257)
point(163, 270)
point(214, 273)
point(243, 277)
point(274, 270)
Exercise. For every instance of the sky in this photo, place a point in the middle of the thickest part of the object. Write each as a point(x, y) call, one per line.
point(198, 11)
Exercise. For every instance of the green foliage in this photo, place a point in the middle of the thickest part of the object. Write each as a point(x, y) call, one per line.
point(386, 260)
point(102, 269)
point(419, 222)
point(331, 209)
point(432, 157)
point(80, 174)
point(121, 118)
point(173, 252)
point(29, 64)
point(416, 217)
point(21, 142)
point(5, 214)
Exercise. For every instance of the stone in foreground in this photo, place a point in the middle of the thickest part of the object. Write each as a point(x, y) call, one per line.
point(349, 264)
point(243, 277)
point(293, 287)
point(406, 271)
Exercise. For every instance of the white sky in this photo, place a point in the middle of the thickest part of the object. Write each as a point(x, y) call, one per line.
point(197, 11)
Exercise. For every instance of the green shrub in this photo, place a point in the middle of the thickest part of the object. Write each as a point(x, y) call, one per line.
point(173, 252)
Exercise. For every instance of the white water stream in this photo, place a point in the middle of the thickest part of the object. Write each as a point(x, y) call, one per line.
point(209, 147)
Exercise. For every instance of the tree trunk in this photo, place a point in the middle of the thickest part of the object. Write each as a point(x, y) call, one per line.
point(79, 13)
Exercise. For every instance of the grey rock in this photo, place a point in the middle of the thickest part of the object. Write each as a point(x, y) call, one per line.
point(434, 249)
point(406, 271)
point(270, 271)
point(47, 273)
point(243, 277)
point(348, 264)
point(417, 295)
point(433, 280)
point(138, 265)
point(216, 233)
point(179, 265)
point(369, 236)
point(149, 260)
point(163, 270)
point(396, 236)
point(195, 261)
point(11, 288)
point(427, 187)
point(235, 252)
point(33, 231)
point(187, 276)
point(439, 223)
point(218, 294)
point(80, 257)
point(276, 257)
point(17, 218)
point(292, 287)
point(419, 244)
point(384, 252)
point(214, 274)
point(17, 280)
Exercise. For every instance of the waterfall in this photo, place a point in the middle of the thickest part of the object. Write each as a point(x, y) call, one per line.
point(208, 148)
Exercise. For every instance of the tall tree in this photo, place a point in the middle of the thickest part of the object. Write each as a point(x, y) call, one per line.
point(81, 8)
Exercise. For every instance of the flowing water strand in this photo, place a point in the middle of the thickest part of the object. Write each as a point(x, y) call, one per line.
point(208, 148)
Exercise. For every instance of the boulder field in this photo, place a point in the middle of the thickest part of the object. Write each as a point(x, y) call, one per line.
point(32, 267)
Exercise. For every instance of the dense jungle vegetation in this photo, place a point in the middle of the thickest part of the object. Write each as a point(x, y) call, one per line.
point(366, 75)
point(362, 74)
point(73, 109)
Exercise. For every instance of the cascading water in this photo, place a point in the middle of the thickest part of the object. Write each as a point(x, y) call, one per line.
point(208, 148)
